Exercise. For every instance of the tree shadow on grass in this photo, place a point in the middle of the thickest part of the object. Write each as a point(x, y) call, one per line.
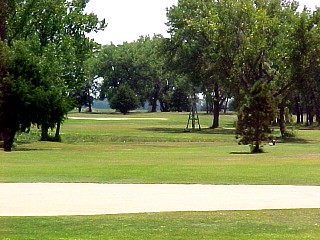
point(20, 146)
point(162, 130)
point(226, 131)
point(25, 149)
point(279, 141)
point(294, 140)
point(241, 153)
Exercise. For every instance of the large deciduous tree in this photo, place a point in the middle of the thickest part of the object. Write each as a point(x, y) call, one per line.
point(205, 39)
point(48, 47)
point(230, 47)
point(305, 94)
point(138, 64)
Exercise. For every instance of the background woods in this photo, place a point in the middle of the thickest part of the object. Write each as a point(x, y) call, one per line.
point(227, 51)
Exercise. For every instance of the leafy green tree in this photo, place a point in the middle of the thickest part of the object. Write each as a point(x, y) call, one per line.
point(138, 64)
point(180, 100)
point(264, 36)
point(305, 67)
point(3, 55)
point(28, 95)
point(5, 123)
point(204, 41)
point(124, 99)
point(47, 47)
point(256, 65)
point(3, 19)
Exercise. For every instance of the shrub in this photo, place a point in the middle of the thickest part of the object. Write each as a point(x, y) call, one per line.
point(124, 99)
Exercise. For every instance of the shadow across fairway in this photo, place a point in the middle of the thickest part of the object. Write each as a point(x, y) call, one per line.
point(24, 149)
point(241, 153)
point(225, 131)
point(293, 140)
point(162, 130)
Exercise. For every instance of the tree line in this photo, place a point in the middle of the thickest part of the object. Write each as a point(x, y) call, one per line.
point(264, 54)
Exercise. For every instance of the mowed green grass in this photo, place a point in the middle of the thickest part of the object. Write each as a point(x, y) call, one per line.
point(241, 225)
point(158, 151)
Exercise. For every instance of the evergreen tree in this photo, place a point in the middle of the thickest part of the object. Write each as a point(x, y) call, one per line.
point(255, 116)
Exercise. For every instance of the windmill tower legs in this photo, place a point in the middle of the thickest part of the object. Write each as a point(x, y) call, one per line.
point(193, 116)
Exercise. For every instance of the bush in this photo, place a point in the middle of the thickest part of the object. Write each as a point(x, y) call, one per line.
point(124, 99)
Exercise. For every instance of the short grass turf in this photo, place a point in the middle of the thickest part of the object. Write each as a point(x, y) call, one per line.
point(157, 151)
point(244, 225)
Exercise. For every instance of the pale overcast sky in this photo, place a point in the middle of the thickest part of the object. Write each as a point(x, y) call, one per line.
point(129, 19)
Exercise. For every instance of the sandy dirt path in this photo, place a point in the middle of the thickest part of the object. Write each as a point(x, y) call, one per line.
point(56, 199)
point(117, 119)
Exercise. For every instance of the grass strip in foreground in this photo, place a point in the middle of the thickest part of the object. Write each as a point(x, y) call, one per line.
point(270, 224)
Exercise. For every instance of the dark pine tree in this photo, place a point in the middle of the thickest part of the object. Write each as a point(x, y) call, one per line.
point(255, 116)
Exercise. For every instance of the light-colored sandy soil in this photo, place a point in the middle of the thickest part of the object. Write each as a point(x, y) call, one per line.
point(54, 199)
point(116, 119)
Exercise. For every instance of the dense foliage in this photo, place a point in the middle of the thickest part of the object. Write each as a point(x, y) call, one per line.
point(124, 99)
point(45, 48)
point(254, 118)
point(141, 65)
point(225, 49)
point(262, 54)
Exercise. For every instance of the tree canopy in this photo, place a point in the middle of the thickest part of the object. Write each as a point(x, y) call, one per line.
point(46, 48)
point(141, 65)
point(229, 48)
point(226, 49)
point(264, 54)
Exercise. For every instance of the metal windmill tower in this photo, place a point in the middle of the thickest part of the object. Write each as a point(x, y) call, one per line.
point(193, 115)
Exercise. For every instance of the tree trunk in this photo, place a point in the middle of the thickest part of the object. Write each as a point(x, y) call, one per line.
point(256, 148)
point(317, 115)
point(8, 138)
point(57, 135)
point(216, 114)
point(301, 114)
point(44, 133)
point(311, 117)
point(155, 97)
point(209, 103)
point(297, 110)
point(154, 105)
point(282, 124)
point(226, 105)
point(163, 106)
point(90, 108)
point(309, 113)
point(317, 110)
point(216, 107)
